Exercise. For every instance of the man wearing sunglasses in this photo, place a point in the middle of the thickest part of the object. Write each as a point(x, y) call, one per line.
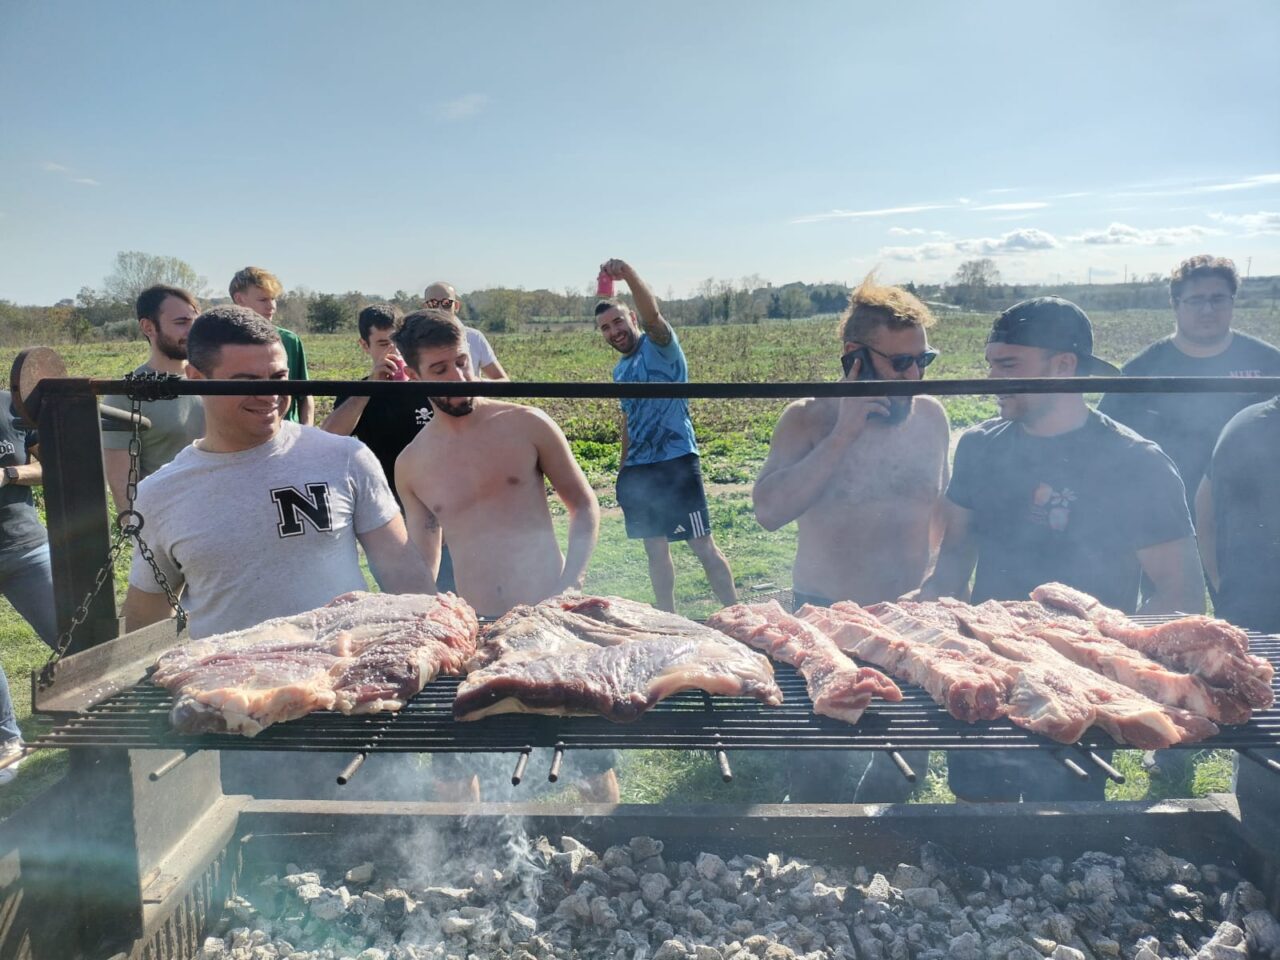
point(1202, 291)
point(863, 479)
point(484, 362)
point(1052, 490)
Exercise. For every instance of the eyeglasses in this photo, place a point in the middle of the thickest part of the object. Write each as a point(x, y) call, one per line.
point(441, 303)
point(1198, 302)
point(901, 362)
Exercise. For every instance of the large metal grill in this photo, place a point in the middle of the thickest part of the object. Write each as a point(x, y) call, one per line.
point(138, 717)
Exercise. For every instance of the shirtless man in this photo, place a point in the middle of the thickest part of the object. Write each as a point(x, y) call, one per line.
point(476, 475)
point(862, 476)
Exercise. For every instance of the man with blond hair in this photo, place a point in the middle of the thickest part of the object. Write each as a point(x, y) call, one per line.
point(484, 362)
point(259, 290)
point(863, 478)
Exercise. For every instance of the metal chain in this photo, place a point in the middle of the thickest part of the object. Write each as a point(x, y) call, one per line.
point(128, 521)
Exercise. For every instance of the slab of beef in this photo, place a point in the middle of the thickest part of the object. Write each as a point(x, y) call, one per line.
point(574, 656)
point(1126, 714)
point(1080, 642)
point(966, 689)
point(361, 653)
point(1213, 650)
point(1039, 698)
point(837, 686)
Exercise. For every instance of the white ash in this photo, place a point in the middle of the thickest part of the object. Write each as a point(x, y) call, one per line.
point(522, 900)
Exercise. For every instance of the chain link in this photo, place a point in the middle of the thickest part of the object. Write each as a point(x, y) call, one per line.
point(129, 521)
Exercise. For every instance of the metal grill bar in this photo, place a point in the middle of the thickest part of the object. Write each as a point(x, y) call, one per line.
point(138, 718)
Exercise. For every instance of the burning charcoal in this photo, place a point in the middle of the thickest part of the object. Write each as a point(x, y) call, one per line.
point(331, 904)
point(596, 876)
point(1105, 946)
point(522, 927)
point(967, 946)
point(639, 911)
point(456, 925)
point(1148, 949)
point(1062, 952)
point(441, 899)
point(670, 950)
point(905, 875)
point(662, 931)
point(921, 898)
point(298, 878)
point(1013, 887)
point(397, 907)
point(1227, 943)
point(361, 874)
point(645, 848)
point(372, 953)
point(1001, 924)
point(1263, 932)
point(703, 951)
point(1099, 883)
point(653, 887)
point(574, 907)
point(1051, 889)
point(213, 948)
point(710, 867)
point(879, 889)
point(602, 915)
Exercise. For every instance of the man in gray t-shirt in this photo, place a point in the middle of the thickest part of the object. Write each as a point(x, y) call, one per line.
point(261, 518)
point(165, 315)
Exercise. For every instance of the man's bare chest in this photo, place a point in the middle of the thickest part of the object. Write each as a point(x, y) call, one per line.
point(888, 464)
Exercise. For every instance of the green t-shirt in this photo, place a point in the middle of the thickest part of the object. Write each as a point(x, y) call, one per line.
point(174, 424)
point(297, 365)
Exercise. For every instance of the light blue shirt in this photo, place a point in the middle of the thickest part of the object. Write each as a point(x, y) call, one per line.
point(657, 429)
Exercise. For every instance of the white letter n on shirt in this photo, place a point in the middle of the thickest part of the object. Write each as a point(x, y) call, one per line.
point(295, 506)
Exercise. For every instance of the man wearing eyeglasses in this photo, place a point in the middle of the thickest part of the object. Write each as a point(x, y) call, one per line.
point(1202, 291)
point(484, 362)
point(863, 479)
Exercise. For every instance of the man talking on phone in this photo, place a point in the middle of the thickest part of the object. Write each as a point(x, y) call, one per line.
point(863, 478)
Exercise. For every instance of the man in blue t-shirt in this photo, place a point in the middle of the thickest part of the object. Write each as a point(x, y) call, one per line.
point(660, 482)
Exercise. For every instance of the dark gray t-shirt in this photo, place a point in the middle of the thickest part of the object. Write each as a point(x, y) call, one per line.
point(1074, 508)
point(20, 529)
point(261, 533)
point(1186, 425)
point(1245, 474)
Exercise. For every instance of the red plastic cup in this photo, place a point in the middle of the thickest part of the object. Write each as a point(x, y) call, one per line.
point(604, 285)
point(401, 367)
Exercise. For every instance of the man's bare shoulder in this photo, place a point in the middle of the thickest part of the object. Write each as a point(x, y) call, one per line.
point(519, 414)
point(812, 416)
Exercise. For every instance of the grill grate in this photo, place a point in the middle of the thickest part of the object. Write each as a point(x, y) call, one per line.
point(138, 718)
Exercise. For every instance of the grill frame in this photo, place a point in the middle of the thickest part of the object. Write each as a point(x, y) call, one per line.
point(137, 718)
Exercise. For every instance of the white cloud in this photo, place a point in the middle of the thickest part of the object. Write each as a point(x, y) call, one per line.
point(1015, 241)
point(1264, 221)
point(907, 231)
point(1070, 196)
point(87, 181)
point(884, 212)
point(1003, 190)
point(1193, 187)
point(52, 167)
point(462, 107)
point(1024, 205)
point(1122, 234)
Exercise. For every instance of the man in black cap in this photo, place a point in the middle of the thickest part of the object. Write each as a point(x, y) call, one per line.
point(1052, 490)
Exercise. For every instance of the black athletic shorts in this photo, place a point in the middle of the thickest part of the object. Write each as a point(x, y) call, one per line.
point(664, 499)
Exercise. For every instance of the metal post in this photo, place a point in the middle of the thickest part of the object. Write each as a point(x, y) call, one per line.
point(75, 490)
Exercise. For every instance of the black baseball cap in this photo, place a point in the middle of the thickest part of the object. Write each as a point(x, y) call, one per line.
point(1054, 324)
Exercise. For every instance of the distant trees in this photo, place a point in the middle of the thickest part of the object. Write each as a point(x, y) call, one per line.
point(328, 314)
point(135, 271)
point(973, 280)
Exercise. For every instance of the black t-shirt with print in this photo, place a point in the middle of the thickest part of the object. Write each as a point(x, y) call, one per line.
point(1074, 508)
point(20, 529)
point(1245, 476)
point(387, 426)
point(1186, 425)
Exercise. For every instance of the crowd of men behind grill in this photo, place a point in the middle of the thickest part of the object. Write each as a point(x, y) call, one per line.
point(256, 513)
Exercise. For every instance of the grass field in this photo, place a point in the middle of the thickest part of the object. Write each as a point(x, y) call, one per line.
point(734, 437)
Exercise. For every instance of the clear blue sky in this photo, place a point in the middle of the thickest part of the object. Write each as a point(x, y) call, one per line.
point(382, 145)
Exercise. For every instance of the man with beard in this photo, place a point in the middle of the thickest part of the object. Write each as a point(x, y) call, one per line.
point(476, 475)
point(1186, 426)
point(863, 478)
point(165, 314)
point(660, 480)
point(1052, 490)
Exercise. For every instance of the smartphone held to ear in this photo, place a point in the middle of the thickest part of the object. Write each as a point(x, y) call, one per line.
point(865, 370)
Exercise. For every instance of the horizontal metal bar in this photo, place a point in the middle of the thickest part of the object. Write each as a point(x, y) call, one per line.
point(772, 390)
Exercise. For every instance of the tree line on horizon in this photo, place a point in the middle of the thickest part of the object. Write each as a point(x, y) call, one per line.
point(107, 312)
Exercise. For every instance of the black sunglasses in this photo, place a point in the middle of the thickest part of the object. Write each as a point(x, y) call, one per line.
point(438, 302)
point(902, 362)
